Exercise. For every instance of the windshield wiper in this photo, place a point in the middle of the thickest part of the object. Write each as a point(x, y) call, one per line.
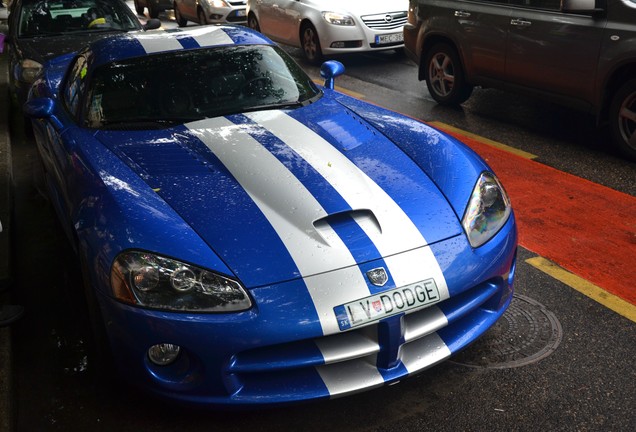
point(107, 29)
point(43, 34)
point(279, 105)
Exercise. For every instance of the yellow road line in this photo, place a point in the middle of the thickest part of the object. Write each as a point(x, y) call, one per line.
point(586, 288)
point(481, 139)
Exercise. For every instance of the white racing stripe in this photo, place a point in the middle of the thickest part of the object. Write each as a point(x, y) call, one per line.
point(211, 35)
point(152, 44)
point(204, 36)
point(398, 233)
point(424, 353)
point(260, 173)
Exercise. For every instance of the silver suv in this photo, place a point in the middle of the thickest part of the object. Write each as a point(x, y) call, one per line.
point(580, 53)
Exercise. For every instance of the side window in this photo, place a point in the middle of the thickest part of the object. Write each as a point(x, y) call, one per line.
point(75, 85)
point(553, 5)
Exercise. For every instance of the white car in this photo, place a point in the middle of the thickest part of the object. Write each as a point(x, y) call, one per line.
point(210, 11)
point(330, 26)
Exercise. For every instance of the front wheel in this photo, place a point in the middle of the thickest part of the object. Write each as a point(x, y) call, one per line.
point(202, 17)
point(252, 22)
point(444, 75)
point(139, 8)
point(181, 21)
point(622, 117)
point(310, 44)
point(153, 11)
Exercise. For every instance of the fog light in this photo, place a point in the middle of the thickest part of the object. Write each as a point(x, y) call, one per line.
point(163, 354)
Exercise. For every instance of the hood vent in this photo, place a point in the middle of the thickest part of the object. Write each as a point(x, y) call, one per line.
point(166, 159)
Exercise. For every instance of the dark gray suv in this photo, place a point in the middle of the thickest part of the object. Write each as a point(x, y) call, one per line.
point(580, 53)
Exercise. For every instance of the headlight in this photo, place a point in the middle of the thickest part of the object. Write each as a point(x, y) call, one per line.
point(487, 211)
point(29, 70)
point(338, 19)
point(149, 280)
point(218, 3)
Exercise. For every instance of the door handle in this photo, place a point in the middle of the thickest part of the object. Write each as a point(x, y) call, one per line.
point(462, 14)
point(520, 22)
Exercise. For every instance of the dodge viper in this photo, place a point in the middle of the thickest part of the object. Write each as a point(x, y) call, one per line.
point(247, 236)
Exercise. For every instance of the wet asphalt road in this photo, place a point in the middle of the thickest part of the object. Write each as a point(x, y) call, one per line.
point(584, 381)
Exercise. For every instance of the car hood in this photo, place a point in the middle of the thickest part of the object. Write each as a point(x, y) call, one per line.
point(285, 194)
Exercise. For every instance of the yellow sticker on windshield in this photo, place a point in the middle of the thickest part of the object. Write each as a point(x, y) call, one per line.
point(83, 72)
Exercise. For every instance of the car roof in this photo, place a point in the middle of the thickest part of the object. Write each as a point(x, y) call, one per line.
point(142, 43)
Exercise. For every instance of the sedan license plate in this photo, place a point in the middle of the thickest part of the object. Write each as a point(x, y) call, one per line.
point(240, 12)
point(385, 304)
point(389, 38)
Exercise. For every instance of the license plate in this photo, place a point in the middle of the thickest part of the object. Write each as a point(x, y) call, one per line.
point(389, 38)
point(388, 303)
point(240, 12)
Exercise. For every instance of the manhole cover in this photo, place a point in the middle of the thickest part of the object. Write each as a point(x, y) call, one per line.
point(526, 333)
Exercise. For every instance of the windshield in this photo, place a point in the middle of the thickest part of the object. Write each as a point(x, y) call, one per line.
point(182, 86)
point(50, 17)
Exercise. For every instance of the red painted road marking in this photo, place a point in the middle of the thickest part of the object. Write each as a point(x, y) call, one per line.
point(586, 228)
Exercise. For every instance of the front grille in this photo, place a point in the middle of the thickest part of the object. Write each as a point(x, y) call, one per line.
point(234, 17)
point(348, 362)
point(385, 21)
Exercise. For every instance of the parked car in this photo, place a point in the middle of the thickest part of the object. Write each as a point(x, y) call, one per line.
point(330, 27)
point(580, 53)
point(155, 7)
point(257, 239)
point(42, 29)
point(210, 11)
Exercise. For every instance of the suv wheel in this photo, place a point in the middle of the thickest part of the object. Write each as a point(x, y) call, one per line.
point(623, 119)
point(139, 8)
point(153, 11)
point(181, 21)
point(252, 22)
point(203, 19)
point(444, 75)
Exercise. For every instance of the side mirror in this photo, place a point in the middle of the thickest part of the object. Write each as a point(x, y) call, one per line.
point(330, 70)
point(42, 108)
point(152, 24)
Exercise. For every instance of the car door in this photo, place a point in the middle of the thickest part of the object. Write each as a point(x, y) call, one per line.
point(265, 19)
point(553, 51)
point(56, 139)
point(188, 8)
point(279, 18)
point(480, 28)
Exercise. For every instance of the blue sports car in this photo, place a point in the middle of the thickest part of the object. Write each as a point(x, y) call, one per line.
point(248, 237)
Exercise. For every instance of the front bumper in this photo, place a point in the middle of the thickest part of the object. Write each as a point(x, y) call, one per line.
point(234, 15)
point(273, 354)
point(370, 33)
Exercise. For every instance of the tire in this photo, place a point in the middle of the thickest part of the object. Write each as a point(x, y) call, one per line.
point(153, 11)
point(139, 8)
point(203, 20)
point(181, 21)
point(444, 75)
point(99, 350)
point(622, 119)
point(252, 22)
point(310, 43)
